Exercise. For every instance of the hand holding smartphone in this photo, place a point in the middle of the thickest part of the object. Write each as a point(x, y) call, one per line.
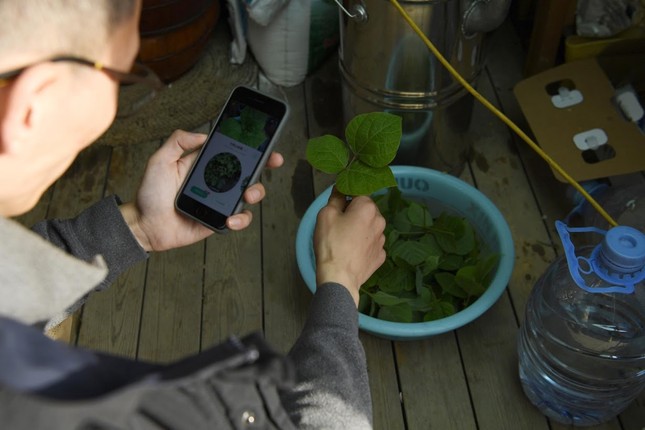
point(232, 158)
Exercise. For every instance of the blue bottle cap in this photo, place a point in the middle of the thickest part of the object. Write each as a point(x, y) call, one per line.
point(623, 248)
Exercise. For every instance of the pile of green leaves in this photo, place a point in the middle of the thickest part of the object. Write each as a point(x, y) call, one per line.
point(434, 268)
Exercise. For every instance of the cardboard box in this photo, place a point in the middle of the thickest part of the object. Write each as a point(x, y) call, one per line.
point(573, 113)
point(629, 41)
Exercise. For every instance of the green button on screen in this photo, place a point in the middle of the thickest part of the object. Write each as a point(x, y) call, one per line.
point(199, 192)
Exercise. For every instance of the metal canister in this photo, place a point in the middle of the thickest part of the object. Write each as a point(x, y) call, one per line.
point(385, 66)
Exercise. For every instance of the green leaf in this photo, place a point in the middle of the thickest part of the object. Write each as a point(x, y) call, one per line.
point(381, 201)
point(412, 252)
point(402, 223)
point(396, 313)
point(447, 229)
point(419, 215)
point(373, 309)
point(360, 179)
point(451, 262)
point(375, 137)
point(449, 285)
point(466, 242)
point(385, 299)
point(424, 300)
point(485, 266)
point(418, 280)
point(391, 238)
point(430, 264)
point(466, 279)
point(327, 153)
point(382, 271)
point(397, 280)
point(441, 310)
point(432, 244)
point(364, 302)
point(395, 200)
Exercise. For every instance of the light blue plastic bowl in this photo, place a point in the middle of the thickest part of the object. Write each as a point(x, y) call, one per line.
point(441, 192)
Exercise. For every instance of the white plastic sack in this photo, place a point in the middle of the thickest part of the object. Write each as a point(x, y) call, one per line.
point(299, 35)
point(263, 11)
point(237, 19)
point(605, 18)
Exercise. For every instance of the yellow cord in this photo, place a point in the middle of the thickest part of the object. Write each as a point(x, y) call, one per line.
point(501, 116)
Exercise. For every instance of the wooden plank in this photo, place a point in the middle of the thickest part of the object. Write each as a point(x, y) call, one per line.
point(232, 302)
point(387, 413)
point(289, 193)
point(172, 304)
point(488, 345)
point(551, 194)
point(81, 186)
point(111, 317)
point(551, 17)
point(433, 383)
point(233, 284)
point(324, 116)
point(488, 349)
point(498, 174)
point(171, 318)
point(66, 331)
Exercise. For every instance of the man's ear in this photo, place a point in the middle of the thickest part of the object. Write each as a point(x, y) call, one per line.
point(24, 104)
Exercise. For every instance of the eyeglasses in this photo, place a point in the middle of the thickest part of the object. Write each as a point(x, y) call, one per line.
point(140, 74)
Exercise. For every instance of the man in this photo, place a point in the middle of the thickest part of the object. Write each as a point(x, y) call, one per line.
point(52, 105)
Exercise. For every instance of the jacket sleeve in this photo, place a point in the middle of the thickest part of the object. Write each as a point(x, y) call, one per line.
point(98, 230)
point(332, 390)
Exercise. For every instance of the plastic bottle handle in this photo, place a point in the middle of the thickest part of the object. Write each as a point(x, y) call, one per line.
point(625, 286)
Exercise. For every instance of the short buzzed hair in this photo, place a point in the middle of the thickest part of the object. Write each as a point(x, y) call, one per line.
point(60, 27)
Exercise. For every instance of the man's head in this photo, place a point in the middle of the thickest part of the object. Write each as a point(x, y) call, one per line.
point(52, 110)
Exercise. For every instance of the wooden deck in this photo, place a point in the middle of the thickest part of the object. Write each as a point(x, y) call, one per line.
point(180, 301)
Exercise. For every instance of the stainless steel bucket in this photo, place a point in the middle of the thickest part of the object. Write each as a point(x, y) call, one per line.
point(385, 66)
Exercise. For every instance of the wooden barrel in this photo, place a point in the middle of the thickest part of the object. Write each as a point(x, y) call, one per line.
point(174, 34)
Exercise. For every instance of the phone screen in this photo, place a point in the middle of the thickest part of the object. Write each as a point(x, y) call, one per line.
point(232, 156)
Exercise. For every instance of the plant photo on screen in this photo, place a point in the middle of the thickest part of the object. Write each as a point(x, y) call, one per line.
point(222, 172)
point(248, 127)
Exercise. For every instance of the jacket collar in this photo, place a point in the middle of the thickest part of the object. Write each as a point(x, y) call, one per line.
point(39, 280)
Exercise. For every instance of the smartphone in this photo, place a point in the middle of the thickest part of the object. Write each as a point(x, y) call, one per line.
point(232, 158)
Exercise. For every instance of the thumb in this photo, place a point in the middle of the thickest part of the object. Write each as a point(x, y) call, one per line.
point(181, 142)
point(337, 200)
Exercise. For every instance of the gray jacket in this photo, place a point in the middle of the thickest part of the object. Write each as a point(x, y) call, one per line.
point(328, 390)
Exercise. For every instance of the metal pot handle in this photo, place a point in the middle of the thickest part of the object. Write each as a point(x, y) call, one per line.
point(360, 13)
point(482, 16)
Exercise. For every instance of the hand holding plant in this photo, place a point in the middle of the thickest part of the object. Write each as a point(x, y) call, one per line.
point(348, 242)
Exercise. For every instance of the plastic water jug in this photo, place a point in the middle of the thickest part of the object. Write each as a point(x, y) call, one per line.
point(582, 343)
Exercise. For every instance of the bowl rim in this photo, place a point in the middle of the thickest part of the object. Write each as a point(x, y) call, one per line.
point(419, 330)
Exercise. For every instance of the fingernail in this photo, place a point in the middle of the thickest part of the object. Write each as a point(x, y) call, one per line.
point(234, 222)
